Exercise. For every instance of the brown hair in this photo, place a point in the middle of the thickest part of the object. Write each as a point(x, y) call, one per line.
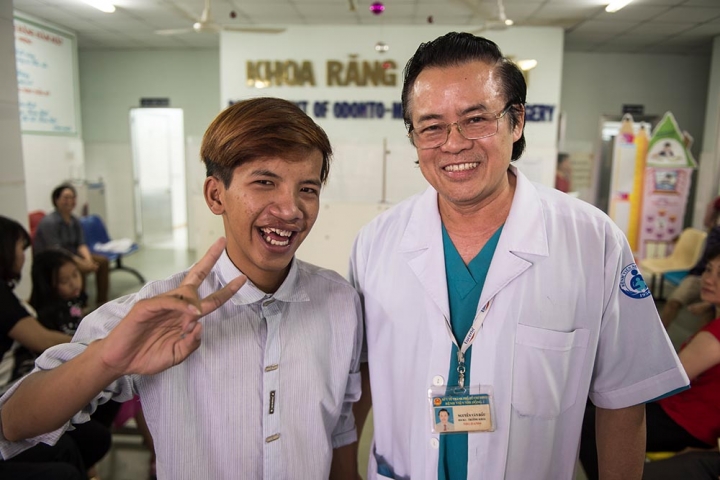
point(261, 127)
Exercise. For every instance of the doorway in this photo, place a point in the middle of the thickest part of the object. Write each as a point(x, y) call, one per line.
point(159, 177)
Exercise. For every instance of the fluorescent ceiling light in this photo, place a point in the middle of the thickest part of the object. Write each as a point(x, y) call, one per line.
point(102, 5)
point(616, 5)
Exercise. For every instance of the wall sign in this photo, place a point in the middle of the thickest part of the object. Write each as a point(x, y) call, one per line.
point(45, 60)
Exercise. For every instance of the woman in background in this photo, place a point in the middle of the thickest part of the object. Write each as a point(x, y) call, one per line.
point(21, 332)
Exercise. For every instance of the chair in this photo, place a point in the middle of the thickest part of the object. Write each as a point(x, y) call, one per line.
point(96, 235)
point(684, 256)
point(34, 218)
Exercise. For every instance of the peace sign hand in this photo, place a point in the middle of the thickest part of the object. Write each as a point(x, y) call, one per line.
point(162, 331)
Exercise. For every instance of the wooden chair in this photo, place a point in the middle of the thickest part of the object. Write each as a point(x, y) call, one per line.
point(684, 256)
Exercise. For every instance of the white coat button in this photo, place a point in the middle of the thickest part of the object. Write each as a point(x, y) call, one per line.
point(438, 381)
point(434, 443)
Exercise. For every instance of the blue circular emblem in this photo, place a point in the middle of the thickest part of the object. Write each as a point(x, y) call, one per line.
point(632, 283)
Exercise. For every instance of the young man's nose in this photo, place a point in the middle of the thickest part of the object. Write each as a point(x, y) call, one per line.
point(287, 206)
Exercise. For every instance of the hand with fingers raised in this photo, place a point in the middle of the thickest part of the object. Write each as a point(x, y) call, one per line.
point(162, 331)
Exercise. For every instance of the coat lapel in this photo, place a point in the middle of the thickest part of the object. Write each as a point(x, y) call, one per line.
point(421, 244)
point(524, 236)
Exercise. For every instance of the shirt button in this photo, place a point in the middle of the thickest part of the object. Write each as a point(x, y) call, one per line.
point(434, 443)
point(438, 381)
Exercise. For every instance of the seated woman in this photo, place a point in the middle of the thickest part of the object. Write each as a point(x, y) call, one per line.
point(690, 418)
point(20, 332)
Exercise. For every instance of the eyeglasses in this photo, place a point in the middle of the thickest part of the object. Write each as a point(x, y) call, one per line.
point(475, 127)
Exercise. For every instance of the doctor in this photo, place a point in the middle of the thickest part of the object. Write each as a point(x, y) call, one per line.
point(505, 299)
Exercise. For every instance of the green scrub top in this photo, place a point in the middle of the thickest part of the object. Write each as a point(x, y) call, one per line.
point(465, 284)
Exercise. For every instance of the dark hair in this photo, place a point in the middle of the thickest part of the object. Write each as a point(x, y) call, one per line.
point(261, 127)
point(57, 191)
point(443, 410)
point(45, 270)
point(10, 232)
point(712, 253)
point(562, 157)
point(455, 49)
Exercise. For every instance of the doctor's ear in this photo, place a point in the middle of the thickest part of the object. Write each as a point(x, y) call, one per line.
point(212, 190)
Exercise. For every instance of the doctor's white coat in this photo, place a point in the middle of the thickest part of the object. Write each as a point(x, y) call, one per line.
point(570, 318)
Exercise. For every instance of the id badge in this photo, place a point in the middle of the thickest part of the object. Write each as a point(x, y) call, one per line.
point(456, 409)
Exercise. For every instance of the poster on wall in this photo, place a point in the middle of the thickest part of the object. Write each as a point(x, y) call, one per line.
point(667, 181)
point(46, 78)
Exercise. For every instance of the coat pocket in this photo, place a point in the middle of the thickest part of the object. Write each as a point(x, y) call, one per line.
point(547, 369)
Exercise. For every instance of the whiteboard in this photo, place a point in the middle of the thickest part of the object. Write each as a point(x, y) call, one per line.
point(45, 59)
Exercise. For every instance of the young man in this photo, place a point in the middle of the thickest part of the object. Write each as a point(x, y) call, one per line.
point(268, 393)
point(504, 299)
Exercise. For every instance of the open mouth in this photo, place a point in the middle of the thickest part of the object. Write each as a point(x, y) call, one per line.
point(277, 236)
point(461, 167)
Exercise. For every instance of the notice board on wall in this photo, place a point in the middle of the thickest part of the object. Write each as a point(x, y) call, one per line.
point(45, 59)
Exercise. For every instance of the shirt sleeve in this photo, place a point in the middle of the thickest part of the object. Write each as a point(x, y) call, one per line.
point(345, 432)
point(635, 360)
point(79, 234)
point(354, 278)
point(95, 326)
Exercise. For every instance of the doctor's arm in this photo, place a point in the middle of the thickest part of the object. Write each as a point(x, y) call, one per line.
point(620, 436)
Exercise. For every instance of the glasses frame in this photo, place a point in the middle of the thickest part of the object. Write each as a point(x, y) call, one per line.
point(411, 134)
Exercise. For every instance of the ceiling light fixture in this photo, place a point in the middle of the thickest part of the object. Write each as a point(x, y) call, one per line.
point(616, 5)
point(102, 5)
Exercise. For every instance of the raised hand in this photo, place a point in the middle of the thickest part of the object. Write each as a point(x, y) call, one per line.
point(162, 331)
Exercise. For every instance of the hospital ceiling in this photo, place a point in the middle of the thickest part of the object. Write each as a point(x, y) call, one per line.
point(684, 27)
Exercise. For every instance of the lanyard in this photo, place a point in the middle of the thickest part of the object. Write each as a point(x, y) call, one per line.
point(469, 339)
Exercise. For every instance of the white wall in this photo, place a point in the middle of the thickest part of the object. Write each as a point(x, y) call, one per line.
point(50, 159)
point(709, 170)
point(12, 172)
point(357, 172)
point(112, 82)
point(600, 83)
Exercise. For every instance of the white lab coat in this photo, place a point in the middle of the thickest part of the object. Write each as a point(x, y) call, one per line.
point(559, 329)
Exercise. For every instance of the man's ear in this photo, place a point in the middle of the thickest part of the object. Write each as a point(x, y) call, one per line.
point(213, 190)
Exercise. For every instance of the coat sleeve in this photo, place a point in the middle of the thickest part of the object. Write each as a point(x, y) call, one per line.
point(635, 362)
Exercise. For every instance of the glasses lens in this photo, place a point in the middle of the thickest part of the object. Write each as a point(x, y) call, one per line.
point(479, 126)
point(430, 137)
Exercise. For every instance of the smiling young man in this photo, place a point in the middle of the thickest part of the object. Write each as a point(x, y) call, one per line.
point(268, 394)
point(505, 300)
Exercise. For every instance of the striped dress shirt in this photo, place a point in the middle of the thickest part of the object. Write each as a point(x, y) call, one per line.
point(267, 395)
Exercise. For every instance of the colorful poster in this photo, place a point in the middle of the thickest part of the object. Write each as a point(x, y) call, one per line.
point(667, 179)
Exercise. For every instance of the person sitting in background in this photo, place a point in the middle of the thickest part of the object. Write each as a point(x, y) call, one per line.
point(687, 292)
point(20, 331)
point(58, 298)
point(690, 418)
point(61, 229)
point(563, 172)
point(57, 294)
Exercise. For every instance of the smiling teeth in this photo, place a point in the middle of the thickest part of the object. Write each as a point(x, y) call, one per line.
point(282, 233)
point(461, 167)
point(275, 242)
point(277, 231)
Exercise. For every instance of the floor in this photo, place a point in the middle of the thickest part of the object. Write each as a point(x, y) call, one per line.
point(128, 459)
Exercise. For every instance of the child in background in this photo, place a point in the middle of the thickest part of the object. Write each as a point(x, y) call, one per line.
point(60, 302)
point(57, 294)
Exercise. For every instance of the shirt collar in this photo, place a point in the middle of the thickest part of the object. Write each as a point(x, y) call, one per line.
point(291, 289)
